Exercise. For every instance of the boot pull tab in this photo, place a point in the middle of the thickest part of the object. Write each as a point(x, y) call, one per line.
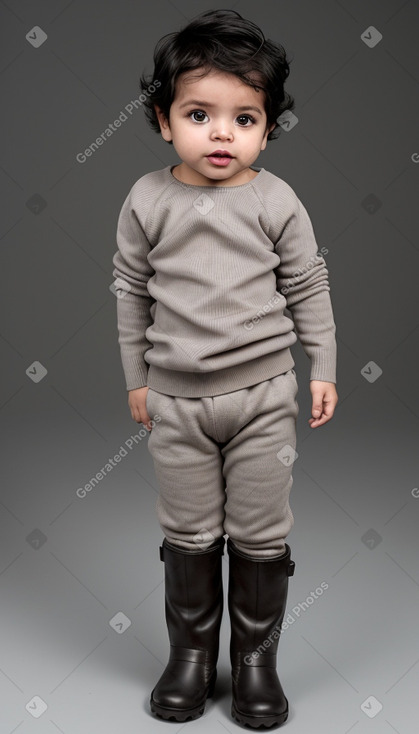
point(291, 568)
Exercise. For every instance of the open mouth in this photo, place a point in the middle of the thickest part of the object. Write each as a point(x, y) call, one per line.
point(220, 154)
point(220, 157)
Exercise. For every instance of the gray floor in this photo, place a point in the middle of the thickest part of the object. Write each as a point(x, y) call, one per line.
point(82, 635)
point(82, 586)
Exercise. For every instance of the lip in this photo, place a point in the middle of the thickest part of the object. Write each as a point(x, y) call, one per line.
point(220, 158)
point(224, 153)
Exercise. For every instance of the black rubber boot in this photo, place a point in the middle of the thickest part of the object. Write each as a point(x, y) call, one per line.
point(194, 607)
point(257, 597)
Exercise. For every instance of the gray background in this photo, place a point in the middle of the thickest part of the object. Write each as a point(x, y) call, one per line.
point(68, 565)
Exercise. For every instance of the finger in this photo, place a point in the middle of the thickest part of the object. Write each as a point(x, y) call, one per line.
point(315, 422)
point(147, 423)
point(317, 409)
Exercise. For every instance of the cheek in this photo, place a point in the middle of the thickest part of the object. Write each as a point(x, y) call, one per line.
point(251, 139)
point(192, 134)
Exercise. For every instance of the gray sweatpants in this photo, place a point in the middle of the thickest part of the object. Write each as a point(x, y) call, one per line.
point(224, 465)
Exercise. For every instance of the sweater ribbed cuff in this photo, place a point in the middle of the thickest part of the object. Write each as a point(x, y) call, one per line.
point(323, 364)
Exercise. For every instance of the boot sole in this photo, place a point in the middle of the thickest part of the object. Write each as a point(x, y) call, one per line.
point(176, 714)
point(258, 722)
point(171, 714)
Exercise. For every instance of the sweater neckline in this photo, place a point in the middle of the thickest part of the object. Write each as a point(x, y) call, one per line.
point(173, 179)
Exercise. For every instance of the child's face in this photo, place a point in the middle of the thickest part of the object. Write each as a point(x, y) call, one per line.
point(215, 113)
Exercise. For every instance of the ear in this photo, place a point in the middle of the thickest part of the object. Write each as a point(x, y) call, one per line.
point(265, 137)
point(164, 124)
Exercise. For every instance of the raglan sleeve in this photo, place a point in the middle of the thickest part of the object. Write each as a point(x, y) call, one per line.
point(303, 279)
point(132, 272)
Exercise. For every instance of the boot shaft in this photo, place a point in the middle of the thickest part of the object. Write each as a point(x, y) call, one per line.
point(257, 596)
point(194, 596)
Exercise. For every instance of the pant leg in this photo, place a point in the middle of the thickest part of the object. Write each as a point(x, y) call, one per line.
point(258, 463)
point(224, 465)
point(188, 467)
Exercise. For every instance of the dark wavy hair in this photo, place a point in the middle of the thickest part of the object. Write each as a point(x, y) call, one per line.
point(222, 40)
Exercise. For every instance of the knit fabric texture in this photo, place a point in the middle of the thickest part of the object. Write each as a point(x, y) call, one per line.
point(216, 283)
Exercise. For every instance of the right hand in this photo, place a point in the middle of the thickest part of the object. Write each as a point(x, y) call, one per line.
point(137, 403)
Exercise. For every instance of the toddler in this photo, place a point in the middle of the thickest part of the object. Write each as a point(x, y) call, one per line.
point(211, 253)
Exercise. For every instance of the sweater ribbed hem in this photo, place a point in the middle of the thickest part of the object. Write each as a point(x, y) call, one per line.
point(201, 385)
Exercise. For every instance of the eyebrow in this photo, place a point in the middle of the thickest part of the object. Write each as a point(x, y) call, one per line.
point(200, 103)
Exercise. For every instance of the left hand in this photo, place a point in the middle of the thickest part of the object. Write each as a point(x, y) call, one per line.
point(325, 399)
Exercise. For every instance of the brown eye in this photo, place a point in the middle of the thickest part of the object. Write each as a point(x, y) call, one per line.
point(246, 117)
point(196, 112)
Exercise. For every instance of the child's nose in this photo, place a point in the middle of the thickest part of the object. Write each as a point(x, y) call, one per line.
point(222, 131)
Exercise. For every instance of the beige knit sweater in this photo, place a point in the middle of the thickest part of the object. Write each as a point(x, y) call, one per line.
point(203, 277)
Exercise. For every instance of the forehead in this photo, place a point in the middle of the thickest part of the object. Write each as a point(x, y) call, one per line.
point(217, 87)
